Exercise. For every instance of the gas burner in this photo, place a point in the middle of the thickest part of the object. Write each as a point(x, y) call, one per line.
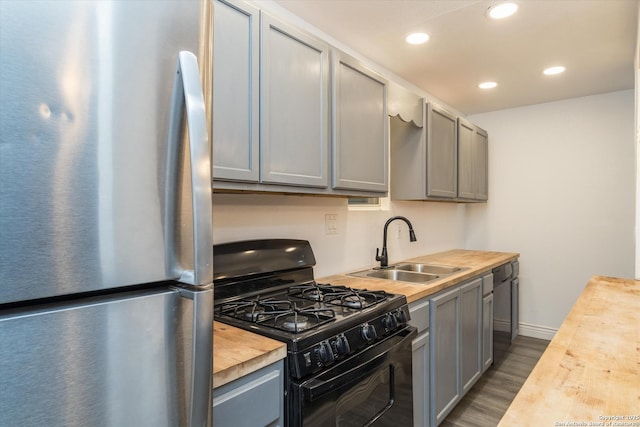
point(295, 323)
point(300, 320)
point(255, 310)
point(352, 301)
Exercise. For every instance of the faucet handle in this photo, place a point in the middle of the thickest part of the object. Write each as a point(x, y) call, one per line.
point(378, 258)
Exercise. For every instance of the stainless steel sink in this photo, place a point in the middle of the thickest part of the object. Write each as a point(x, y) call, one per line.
point(403, 276)
point(410, 272)
point(428, 268)
point(397, 275)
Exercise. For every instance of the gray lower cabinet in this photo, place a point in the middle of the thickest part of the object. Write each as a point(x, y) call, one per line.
point(359, 126)
point(445, 351)
point(487, 321)
point(515, 308)
point(456, 345)
point(470, 333)
point(253, 400)
point(472, 161)
point(419, 311)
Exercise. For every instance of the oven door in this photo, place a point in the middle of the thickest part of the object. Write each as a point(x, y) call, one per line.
point(372, 388)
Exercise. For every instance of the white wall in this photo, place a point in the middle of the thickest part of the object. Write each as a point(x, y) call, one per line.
point(561, 192)
point(438, 227)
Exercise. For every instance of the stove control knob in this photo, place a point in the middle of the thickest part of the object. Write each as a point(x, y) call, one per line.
point(368, 332)
point(390, 322)
point(401, 318)
point(342, 345)
point(325, 353)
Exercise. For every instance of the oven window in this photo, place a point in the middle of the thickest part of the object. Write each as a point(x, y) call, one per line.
point(367, 400)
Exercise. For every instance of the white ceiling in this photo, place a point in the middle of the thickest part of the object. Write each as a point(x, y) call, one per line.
point(594, 39)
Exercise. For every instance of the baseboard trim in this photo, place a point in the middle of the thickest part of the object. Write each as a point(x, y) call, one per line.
point(537, 331)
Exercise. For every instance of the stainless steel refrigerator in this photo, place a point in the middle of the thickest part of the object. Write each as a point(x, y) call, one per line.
point(105, 214)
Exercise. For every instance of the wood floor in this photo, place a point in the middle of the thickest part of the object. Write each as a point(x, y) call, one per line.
point(489, 398)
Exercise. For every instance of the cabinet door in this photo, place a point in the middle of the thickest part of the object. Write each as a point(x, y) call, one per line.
point(466, 175)
point(442, 153)
point(481, 163)
point(420, 366)
point(487, 332)
point(235, 86)
point(294, 106)
point(515, 308)
point(473, 146)
point(360, 136)
point(445, 351)
point(470, 333)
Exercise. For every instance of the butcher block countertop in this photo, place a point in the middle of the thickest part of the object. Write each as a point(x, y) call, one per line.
point(589, 374)
point(477, 263)
point(237, 352)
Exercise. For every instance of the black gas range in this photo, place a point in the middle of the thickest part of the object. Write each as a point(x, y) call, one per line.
point(268, 287)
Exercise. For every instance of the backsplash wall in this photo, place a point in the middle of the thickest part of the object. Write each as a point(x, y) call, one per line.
point(438, 227)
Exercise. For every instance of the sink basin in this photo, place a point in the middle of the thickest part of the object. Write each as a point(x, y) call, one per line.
point(398, 275)
point(428, 268)
point(411, 272)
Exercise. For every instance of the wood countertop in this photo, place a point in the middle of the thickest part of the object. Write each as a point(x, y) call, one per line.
point(237, 352)
point(590, 373)
point(475, 262)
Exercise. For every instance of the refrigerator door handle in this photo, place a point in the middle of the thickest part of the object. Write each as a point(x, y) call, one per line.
point(188, 97)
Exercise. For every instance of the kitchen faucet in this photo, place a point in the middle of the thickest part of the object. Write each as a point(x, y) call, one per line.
point(384, 258)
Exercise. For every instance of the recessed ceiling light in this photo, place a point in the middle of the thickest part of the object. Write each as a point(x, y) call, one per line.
point(417, 38)
point(487, 85)
point(553, 70)
point(502, 10)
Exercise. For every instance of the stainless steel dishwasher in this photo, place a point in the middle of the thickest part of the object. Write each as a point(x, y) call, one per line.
point(505, 299)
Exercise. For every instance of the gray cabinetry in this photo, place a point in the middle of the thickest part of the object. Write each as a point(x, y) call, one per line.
point(294, 111)
point(445, 350)
point(235, 80)
point(405, 105)
point(359, 127)
point(442, 153)
point(420, 347)
point(424, 162)
point(470, 333)
point(472, 161)
point(456, 329)
point(253, 400)
point(487, 321)
point(445, 161)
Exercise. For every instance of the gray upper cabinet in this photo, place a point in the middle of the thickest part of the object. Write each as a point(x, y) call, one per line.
point(424, 161)
point(235, 80)
point(360, 136)
point(445, 161)
point(472, 161)
point(442, 153)
point(294, 112)
point(405, 105)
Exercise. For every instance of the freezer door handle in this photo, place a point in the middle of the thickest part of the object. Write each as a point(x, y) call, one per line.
point(200, 387)
point(188, 98)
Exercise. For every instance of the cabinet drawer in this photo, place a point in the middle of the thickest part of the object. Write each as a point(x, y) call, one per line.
point(253, 400)
point(419, 312)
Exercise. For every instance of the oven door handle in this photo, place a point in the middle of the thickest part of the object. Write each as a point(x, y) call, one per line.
point(351, 371)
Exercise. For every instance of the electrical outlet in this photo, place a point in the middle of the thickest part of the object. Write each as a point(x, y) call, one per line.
point(331, 223)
